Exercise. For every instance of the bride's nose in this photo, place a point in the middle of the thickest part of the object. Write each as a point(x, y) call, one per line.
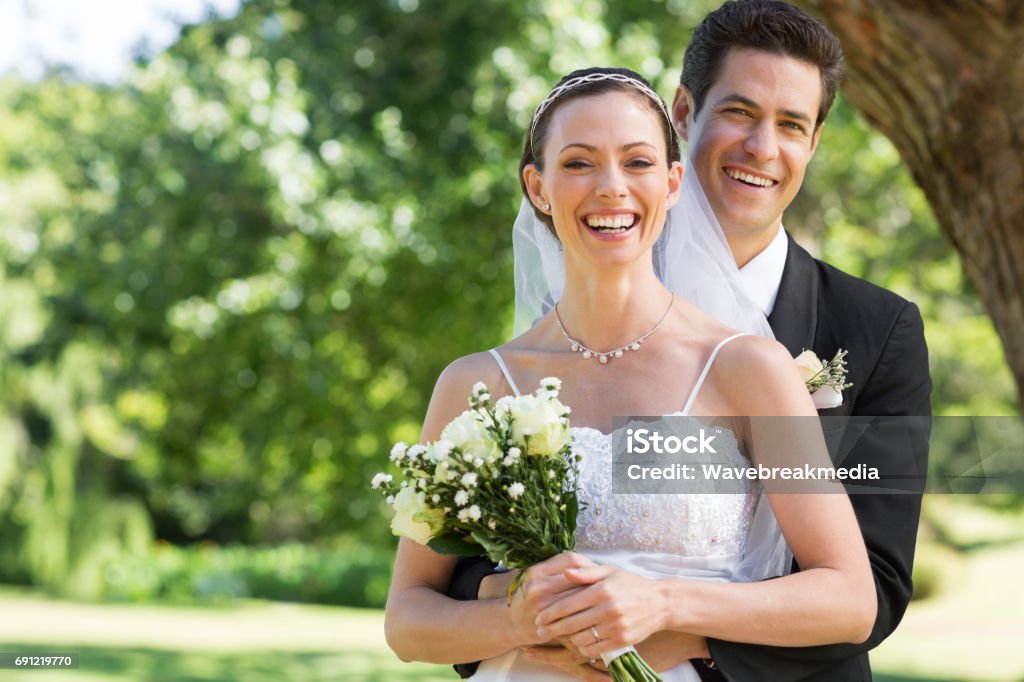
point(612, 183)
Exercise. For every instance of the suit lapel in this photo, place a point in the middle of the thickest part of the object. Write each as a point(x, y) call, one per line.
point(795, 315)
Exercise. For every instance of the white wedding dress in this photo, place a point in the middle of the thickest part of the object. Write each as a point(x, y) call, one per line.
point(721, 537)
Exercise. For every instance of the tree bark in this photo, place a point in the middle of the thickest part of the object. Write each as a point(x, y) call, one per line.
point(944, 80)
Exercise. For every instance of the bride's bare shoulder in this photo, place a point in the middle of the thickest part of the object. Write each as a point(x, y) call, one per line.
point(758, 376)
point(460, 375)
point(453, 388)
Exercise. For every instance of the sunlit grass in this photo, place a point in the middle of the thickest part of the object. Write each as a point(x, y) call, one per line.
point(975, 616)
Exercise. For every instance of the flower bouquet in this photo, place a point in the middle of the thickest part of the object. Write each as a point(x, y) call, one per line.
point(500, 482)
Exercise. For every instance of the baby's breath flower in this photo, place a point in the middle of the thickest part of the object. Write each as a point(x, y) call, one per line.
point(379, 479)
point(398, 451)
point(435, 498)
point(390, 499)
point(462, 498)
point(477, 462)
point(469, 479)
point(463, 515)
point(421, 483)
point(516, 490)
point(551, 384)
point(474, 513)
point(415, 451)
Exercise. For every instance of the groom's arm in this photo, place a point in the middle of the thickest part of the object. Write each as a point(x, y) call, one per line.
point(899, 385)
point(465, 585)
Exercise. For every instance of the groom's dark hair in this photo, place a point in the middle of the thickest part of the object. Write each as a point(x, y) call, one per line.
point(768, 25)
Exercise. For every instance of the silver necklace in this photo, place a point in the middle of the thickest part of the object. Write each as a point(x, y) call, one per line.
point(578, 347)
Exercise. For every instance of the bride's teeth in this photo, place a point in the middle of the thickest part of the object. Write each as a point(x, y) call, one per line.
point(616, 223)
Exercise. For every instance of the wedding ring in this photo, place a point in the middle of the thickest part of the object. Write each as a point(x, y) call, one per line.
point(593, 631)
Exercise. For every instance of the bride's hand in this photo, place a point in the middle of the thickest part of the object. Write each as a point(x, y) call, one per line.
point(565, 656)
point(622, 607)
point(545, 584)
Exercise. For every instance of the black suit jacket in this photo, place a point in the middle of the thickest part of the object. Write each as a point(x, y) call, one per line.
point(823, 309)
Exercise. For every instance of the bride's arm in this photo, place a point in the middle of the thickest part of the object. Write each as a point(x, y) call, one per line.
point(423, 624)
point(831, 600)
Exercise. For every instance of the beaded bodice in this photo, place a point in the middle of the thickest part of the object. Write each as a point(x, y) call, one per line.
point(685, 525)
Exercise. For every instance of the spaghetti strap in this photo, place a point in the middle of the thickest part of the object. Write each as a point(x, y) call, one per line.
point(504, 370)
point(704, 372)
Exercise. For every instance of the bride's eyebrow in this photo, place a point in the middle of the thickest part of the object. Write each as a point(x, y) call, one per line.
point(592, 148)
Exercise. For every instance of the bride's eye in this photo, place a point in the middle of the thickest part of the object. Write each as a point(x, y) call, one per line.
point(575, 165)
point(641, 163)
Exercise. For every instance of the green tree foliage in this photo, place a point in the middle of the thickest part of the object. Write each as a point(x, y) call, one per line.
point(228, 284)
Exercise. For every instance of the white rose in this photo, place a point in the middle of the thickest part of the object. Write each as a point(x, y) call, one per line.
point(469, 435)
point(826, 397)
point(808, 364)
point(541, 420)
point(414, 519)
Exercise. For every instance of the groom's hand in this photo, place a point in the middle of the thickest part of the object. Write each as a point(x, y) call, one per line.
point(667, 649)
point(567, 658)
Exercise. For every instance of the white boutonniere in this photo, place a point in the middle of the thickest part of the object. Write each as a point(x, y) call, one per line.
point(825, 381)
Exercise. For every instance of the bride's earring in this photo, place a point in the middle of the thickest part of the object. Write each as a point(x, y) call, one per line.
point(545, 207)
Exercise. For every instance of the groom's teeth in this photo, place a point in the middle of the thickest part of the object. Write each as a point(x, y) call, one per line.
point(749, 179)
point(617, 221)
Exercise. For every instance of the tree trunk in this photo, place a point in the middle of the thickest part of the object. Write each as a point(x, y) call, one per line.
point(944, 80)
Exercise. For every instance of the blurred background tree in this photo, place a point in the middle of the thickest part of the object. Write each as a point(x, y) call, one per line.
point(228, 283)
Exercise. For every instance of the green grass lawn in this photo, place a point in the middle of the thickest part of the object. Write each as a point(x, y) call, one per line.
point(972, 631)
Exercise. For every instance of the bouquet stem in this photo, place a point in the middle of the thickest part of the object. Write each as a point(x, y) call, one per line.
point(630, 667)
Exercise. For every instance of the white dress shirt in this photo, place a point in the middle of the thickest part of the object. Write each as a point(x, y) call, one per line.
point(762, 275)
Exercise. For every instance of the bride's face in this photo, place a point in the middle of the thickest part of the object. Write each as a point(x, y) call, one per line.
point(606, 177)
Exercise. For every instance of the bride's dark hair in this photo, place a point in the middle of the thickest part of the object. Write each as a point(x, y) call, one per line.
point(533, 146)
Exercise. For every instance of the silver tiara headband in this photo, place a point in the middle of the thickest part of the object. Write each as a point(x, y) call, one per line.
point(594, 78)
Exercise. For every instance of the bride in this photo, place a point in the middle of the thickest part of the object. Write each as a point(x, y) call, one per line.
point(600, 169)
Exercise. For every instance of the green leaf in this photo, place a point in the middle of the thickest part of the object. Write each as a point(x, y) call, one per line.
point(451, 543)
point(496, 551)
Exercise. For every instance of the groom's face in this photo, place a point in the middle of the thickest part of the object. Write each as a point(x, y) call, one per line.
point(751, 141)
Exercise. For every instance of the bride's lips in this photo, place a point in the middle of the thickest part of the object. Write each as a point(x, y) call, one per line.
point(611, 225)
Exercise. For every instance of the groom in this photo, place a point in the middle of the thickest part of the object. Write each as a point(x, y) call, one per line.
point(758, 80)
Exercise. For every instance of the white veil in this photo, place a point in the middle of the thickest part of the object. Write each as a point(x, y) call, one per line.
point(692, 259)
